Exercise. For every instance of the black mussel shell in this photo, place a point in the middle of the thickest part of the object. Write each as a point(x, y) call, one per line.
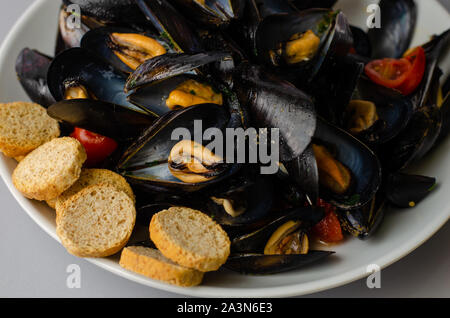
point(393, 110)
point(169, 65)
point(215, 13)
point(98, 40)
point(274, 103)
point(435, 50)
point(279, 28)
point(260, 264)
point(303, 170)
point(80, 66)
point(414, 141)
point(307, 4)
point(171, 25)
point(145, 163)
point(405, 190)
point(255, 242)
point(255, 193)
point(31, 68)
point(361, 42)
point(398, 22)
point(111, 120)
point(445, 129)
point(110, 10)
point(363, 164)
point(145, 213)
point(365, 220)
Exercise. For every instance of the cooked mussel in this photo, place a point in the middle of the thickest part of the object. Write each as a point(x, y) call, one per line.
point(31, 68)
point(377, 114)
point(215, 13)
point(406, 191)
point(304, 41)
point(397, 25)
point(146, 163)
point(171, 25)
point(279, 246)
point(349, 172)
point(364, 221)
point(80, 66)
point(167, 82)
point(414, 141)
point(124, 48)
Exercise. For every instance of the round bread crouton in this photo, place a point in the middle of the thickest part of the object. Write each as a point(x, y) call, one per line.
point(151, 263)
point(96, 222)
point(24, 127)
point(50, 169)
point(90, 177)
point(190, 238)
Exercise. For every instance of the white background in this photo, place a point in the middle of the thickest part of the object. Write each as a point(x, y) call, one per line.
point(34, 265)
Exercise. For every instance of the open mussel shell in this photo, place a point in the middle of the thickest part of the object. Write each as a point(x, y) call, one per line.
point(111, 120)
point(171, 25)
point(31, 68)
point(398, 22)
point(99, 42)
point(274, 103)
point(169, 65)
point(214, 13)
point(393, 111)
point(303, 170)
point(260, 264)
point(251, 197)
point(81, 67)
point(405, 190)
point(145, 163)
point(279, 28)
point(364, 221)
point(363, 164)
point(414, 141)
point(255, 241)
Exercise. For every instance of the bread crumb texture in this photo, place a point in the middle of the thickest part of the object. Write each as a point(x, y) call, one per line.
point(50, 169)
point(90, 177)
point(24, 127)
point(151, 263)
point(96, 222)
point(190, 238)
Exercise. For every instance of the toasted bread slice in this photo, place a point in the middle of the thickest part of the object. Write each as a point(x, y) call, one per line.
point(190, 238)
point(51, 203)
point(50, 169)
point(24, 127)
point(90, 177)
point(96, 222)
point(151, 263)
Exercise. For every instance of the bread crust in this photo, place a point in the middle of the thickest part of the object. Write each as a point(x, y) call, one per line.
point(50, 169)
point(133, 258)
point(179, 253)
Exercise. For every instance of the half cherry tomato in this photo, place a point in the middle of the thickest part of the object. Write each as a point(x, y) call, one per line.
point(97, 147)
point(414, 77)
point(404, 74)
point(329, 229)
point(388, 72)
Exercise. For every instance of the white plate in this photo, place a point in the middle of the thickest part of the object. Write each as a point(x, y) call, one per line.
point(401, 232)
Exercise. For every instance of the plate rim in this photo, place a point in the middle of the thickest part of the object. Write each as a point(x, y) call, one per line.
point(211, 291)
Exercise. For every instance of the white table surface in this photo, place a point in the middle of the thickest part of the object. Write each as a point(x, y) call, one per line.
point(32, 264)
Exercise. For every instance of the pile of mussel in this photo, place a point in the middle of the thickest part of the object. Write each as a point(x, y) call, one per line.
point(136, 71)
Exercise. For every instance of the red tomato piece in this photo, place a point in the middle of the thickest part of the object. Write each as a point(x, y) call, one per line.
point(97, 147)
point(388, 72)
point(414, 77)
point(329, 229)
